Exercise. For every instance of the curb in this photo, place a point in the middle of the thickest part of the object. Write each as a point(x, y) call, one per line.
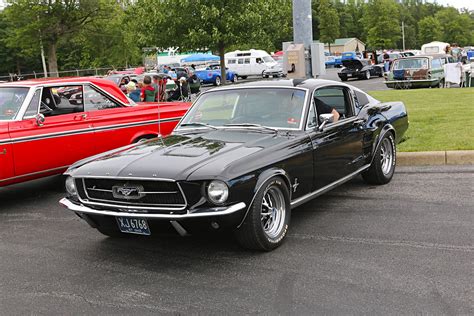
point(434, 158)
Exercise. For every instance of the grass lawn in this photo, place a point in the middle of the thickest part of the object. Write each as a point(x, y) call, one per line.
point(440, 119)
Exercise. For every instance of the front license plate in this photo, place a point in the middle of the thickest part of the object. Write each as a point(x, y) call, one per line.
point(349, 75)
point(133, 225)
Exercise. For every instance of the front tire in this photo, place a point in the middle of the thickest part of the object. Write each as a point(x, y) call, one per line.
point(217, 82)
point(383, 165)
point(367, 75)
point(234, 79)
point(267, 221)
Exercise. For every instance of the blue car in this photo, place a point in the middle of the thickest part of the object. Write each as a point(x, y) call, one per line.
point(351, 56)
point(212, 74)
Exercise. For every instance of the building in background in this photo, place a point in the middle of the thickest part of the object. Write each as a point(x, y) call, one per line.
point(341, 45)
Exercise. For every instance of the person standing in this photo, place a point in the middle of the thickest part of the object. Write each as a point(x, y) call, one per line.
point(386, 61)
point(148, 92)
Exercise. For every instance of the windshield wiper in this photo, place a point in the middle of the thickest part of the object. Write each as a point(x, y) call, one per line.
point(198, 124)
point(253, 125)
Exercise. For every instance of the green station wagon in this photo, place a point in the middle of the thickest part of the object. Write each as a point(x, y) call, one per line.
point(421, 71)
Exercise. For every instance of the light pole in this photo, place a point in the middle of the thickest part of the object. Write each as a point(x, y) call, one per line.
point(403, 35)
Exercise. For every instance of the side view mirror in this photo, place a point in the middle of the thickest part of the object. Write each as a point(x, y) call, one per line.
point(325, 118)
point(39, 119)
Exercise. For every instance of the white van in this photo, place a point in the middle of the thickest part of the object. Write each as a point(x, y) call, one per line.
point(252, 63)
point(434, 48)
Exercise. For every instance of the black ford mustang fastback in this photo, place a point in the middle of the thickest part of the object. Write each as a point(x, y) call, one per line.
point(241, 159)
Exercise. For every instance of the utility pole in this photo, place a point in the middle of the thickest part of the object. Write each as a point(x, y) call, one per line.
point(303, 28)
point(43, 60)
point(403, 35)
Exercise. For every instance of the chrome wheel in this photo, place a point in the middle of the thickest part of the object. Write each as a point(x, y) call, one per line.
point(367, 75)
point(273, 211)
point(386, 156)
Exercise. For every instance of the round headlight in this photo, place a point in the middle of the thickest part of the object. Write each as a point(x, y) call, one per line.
point(218, 192)
point(71, 186)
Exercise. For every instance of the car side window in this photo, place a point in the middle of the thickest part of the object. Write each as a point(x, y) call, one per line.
point(337, 98)
point(436, 63)
point(240, 61)
point(247, 60)
point(33, 107)
point(94, 100)
point(312, 118)
point(61, 100)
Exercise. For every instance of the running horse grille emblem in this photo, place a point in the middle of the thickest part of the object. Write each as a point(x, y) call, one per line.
point(128, 192)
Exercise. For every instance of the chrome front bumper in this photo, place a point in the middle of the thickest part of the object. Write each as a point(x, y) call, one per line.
point(217, 211)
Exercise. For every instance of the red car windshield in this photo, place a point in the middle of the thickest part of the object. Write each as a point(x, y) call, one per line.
point(11, 99)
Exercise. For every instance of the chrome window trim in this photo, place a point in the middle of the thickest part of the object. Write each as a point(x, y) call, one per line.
point(341, 121)
point(26, 107)
point(304, 110)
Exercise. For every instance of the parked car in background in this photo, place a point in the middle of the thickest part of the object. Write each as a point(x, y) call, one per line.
point(421, 71)
point(212, 74)
point(359, 69)
point(240, 160)
point(48, 124)
point(392, 57)
point(121, 80)
point(170, 83)
point(351, 56)
point(434, 48)
point(252, 63)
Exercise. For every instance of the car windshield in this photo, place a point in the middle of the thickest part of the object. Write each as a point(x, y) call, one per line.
point(250, 107)
point(268, 59)
point(11, 100)
point(115, 79)
point(411, 63)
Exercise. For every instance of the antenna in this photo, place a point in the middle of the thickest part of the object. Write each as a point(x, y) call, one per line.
point(159, 109)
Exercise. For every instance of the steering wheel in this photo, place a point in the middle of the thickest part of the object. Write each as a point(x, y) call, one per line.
point(45, 108)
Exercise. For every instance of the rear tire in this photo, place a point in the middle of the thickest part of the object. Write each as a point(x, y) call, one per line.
point(267, 221)
point(383, 165)
point(217, 82)
point(367, 75)
point(243, 77)
point(234, 79)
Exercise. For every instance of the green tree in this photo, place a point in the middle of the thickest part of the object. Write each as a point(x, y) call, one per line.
point(328, 23)
point(211, 24)
point(51, 22)
point(381, 23)
point(429, 29)
point(457, 27)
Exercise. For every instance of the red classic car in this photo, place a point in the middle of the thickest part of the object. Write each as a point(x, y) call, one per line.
point(47, 124)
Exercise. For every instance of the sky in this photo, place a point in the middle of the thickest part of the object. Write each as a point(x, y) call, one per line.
point(456, 3)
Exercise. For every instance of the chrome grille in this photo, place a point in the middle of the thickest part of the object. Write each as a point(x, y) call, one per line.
point(133, 193)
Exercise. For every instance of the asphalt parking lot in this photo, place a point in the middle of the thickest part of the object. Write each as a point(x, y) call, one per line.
point(403, 248)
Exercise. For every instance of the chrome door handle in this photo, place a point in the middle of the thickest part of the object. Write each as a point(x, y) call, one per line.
point(3, 152)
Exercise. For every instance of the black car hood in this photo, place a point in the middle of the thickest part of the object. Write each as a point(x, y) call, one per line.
point(353, 64)
point(179, 156)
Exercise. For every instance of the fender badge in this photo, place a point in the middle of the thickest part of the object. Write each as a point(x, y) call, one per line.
point(295, 185)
